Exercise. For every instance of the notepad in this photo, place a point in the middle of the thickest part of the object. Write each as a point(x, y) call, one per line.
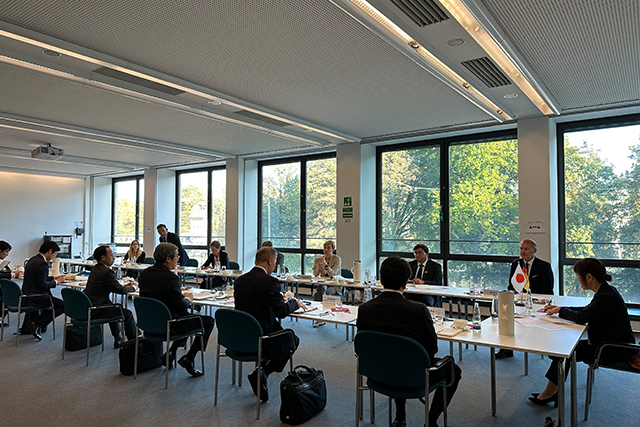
point(450, 332)
point(4, 264)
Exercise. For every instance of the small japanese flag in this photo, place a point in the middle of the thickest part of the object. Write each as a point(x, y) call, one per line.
point(520, 281)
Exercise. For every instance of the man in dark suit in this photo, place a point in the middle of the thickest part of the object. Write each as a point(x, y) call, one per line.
point(392, 313)
point(168, 237)
point(540, 277)
point(258, 293)
point(425, 271)
point(37, 281)
point(159, 282)
point(101, 283)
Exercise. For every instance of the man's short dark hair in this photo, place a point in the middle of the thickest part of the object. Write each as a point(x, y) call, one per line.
point(267, 244)
point(265, 254)
point(48, 246)
point(4, 246)
point(160, 226)
point(394, 273)
point(421, 246)
point(99, 252)
point(164, 251)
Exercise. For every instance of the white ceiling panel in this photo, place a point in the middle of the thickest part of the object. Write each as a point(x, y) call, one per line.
point(587, 52)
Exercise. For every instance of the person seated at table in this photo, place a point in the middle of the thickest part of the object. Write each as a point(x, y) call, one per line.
point(607, 320)
point(7, 272)
point(392, 313)
point(37, 281)
point(258, 293)
point(161, 283)
point(328, 265)
point(540, 277)
point(101, 283)
point(425, 271)
point(134, 254)
point(279, 259)
point(216, 255)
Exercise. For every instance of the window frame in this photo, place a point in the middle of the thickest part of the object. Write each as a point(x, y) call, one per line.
point(576, 126)
point(302, 249)
point(445, 255)
point(114, 181)
point(209, 238)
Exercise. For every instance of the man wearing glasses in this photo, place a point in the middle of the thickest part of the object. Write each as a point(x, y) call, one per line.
point(424, 271)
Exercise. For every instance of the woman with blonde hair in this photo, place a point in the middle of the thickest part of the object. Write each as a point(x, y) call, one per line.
point(134, 254)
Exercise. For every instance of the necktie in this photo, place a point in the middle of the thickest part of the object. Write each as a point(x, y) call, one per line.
point(527, 267)
point(419, 275)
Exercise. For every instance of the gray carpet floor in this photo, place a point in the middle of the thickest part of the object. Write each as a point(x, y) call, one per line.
point(40, 389)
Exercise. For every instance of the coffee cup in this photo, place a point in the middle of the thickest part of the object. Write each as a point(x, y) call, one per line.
point(460, 323)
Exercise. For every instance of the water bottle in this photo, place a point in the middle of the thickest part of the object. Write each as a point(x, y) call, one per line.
point(367, 295)
point(472, 287)
point(494, 308)
point(528, 306)
point(119, 274)
point(477, 320)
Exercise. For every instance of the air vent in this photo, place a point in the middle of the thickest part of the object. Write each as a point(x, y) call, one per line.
point(422, 12)
point(485, 70)
point(110, 72)
point(259, 117)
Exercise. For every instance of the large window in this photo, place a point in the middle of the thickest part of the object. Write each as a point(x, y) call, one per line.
point(298, 208)
point(128, 212)
point(460, 198)
point(201, 214)
point(599, 200)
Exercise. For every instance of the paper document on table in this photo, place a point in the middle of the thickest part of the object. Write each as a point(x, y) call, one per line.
point(4, 264)
point(542, 322)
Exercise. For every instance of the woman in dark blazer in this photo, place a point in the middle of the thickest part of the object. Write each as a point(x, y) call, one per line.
point(607, 318)
point(217, 254)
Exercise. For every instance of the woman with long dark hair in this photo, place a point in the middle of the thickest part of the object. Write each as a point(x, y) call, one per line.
point(607, 318)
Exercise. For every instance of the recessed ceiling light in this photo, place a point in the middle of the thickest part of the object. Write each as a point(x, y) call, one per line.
point(413, 44)
point(50, 52)
point(214, 102)
point(455, 42)
point(511, 96)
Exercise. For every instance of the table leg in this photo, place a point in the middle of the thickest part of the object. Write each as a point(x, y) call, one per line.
point(493, 381)
point(561, 381)
point(574, 392)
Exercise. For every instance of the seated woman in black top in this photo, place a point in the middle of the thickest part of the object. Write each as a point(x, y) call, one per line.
point(216, 255)
point(134, 254)
point(607, 318)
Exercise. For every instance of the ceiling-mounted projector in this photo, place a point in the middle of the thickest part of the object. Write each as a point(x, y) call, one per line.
point(47, 152)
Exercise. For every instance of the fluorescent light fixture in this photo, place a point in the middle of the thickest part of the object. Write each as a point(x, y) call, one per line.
point(111, 64)
point(477, 26)
point(394, 34)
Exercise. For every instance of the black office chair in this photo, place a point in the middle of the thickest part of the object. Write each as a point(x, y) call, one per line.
point(234, 265)
point(149, 260)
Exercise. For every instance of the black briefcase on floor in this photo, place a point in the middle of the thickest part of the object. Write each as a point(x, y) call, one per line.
point(303, 394)
point(76, 337)
point(149, 356)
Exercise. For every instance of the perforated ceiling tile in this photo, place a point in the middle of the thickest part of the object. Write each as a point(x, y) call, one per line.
point(33, 94)
point(586, 52)
point(305, 58)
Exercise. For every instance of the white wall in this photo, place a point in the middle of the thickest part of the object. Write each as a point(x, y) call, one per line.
point(32, 204)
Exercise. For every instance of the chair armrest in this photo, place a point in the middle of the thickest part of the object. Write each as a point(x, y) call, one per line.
point(604, 345)
point(39, 296)
point(183, 318)
point(105, 306)
point(289, 332)
point(444, 363)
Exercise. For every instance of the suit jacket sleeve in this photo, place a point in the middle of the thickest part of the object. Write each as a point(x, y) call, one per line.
point(44, 281)
point(280, 308)
point(209, 261)
point(546, 280)
point(5, 273)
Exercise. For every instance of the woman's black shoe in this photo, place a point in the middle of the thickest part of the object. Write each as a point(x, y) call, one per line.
point(543, 402)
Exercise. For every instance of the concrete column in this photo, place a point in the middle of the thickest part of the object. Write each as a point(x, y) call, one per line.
point(537, 185)
point(241, 234)
point(159, 205)
point(356, 237)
